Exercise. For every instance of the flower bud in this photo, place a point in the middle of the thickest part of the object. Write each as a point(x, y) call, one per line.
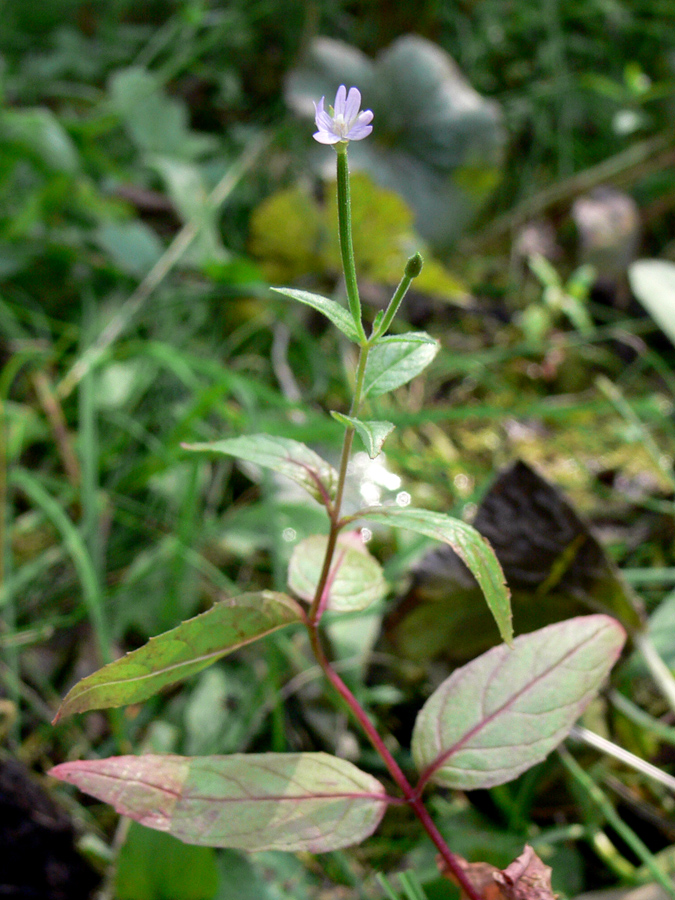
point(414, 266)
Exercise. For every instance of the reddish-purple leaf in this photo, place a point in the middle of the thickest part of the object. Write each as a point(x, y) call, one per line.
point(506, 710)
point(261, 801)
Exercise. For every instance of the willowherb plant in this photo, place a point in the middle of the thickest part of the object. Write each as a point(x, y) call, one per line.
point(487, 723)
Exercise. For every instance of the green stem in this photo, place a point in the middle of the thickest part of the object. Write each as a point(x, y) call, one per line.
point(412, 270)
point(344, 210)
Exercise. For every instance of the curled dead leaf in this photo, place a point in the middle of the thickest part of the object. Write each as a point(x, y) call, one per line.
point(526, 878)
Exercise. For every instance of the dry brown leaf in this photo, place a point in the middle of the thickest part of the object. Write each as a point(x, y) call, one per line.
point(526, 878)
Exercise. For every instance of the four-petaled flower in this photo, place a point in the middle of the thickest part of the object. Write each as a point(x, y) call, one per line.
point(346, 123)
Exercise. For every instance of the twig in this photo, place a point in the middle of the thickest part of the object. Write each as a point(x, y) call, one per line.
point(636, 161)
point(54, 411)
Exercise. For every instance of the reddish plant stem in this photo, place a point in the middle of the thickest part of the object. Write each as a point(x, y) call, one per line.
point(334, 513)
point(411, 796)
point(334, 510)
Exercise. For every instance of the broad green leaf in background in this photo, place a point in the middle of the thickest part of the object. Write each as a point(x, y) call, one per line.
point(257, 801)
point(185, 650)
point(468, 544)
point(40, 135)
point(337, 314)
point(283, 455)
point(653, 283)
point(356, 578)
point(396, 360)
point(189, 192)
point(661, 629)
point(436, 141)
point(373, 434)
point(156, 866)
point(133, 246)
point(222, 711)
point(155, 122)
point(500, 714)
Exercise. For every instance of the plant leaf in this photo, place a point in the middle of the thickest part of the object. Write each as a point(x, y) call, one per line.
point(258, 801)
point(38, 133)
point(283, 455)
point(356, 578)
point(505, 711)
point(396, 359)
point(468, 544)
point(133, 246)
point(526, 878)
point(152, 865)
point(155, 122)
point(338, 315)
point(373, 434)
point(554, 566)
point(653, 283)
point(190, 647)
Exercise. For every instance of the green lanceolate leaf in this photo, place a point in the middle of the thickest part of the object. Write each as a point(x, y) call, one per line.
point(183, 651)
point(373, 434)
point(283, 455)
point(468, 544)
point(337, 314)
point(505, 711)
point(356, 578)
point(397, 359)
point(259, 801)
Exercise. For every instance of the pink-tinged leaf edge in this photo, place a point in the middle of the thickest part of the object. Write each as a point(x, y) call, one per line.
point(487, 723)
point(265, 801)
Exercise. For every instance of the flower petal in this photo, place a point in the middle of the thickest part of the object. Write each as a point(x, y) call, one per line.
point(325, 137)
point(340, 99)
point(353, 104)
point(359, 132)
point(324, 121)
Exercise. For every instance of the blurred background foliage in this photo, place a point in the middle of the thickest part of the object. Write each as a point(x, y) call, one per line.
point(157, 174)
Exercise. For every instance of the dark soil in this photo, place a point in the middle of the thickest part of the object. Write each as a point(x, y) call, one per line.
point(38, 860)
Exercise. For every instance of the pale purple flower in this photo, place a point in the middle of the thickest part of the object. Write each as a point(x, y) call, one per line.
point(346, 123)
